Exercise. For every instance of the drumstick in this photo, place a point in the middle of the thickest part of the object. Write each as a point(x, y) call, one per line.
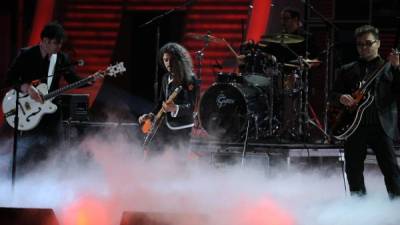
point(230, 48)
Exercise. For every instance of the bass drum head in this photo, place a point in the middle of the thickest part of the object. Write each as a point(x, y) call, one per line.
point(223, 110)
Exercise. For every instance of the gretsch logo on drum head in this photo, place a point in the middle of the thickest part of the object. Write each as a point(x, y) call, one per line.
point(222, 100)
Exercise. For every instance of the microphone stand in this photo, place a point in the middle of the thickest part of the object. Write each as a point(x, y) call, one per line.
point(16, 123)
point(199, 58)
point(15, 133)
point(15, 142)
point(329, 44)
point(156, 20)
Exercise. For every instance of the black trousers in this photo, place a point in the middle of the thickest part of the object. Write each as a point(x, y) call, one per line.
point(167, 139)
point(356, 151)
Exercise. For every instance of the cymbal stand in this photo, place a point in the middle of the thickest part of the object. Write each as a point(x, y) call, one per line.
point(303, 90)
point(303, 64)
point(271, 105)
point(199, 58)
point(304, 102)
point(329, 58)
point(304, 118)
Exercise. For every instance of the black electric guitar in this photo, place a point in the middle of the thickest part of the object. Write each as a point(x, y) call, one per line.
point(348, 119)
point(151, 125)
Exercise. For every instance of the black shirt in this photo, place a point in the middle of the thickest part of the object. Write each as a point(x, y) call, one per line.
point(366, 69)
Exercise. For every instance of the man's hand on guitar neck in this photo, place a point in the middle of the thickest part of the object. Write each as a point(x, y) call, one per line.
point(33, 92)
point(169, 107)
point(393, 58)
point(347, 100)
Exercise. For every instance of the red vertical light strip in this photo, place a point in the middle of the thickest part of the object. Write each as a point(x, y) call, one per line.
point(43, 15)
point(258, 19)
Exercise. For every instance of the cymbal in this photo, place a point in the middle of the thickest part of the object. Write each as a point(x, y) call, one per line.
point(311, 62)
point(290, 65)
point(282, 38)
point(204, 37)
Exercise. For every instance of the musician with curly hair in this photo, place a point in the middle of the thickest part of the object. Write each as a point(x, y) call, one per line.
point(175, 128)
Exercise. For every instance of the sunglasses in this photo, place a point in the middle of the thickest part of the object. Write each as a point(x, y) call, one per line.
point(367, 43)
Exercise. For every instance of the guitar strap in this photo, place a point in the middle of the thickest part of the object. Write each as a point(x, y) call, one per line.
point(168, 89)
point(50, 74)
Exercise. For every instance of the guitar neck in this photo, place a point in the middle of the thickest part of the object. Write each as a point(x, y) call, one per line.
point(77, 84)
point(372, 77)
point(169, 100)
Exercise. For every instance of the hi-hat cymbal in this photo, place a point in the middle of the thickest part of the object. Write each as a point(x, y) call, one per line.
point(310, 62)
point(204, 37)
point(290, 65)
point(282, 38)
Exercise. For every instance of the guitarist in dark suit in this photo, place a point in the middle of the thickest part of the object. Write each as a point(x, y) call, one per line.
point(174, 131)
point(32, 66)
point(378, 126)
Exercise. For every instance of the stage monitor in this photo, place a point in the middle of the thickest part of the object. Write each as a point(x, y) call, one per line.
point(27, 216)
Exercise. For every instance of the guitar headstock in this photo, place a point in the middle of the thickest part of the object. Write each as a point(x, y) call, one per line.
point(114, 70)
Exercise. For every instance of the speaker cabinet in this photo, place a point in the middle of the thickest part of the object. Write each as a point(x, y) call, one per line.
point(27, 216)
point(156, 218)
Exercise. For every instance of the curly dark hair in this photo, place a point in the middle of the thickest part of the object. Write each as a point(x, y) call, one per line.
point(182, 66)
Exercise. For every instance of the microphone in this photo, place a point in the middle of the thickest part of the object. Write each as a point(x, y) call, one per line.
point(78, 62)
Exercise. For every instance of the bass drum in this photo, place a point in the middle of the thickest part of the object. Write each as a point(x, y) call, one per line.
point(225, 110)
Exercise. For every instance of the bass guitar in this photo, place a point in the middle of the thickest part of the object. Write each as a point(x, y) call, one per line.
point(348, 119)
point(151, 125)
point(30, 112)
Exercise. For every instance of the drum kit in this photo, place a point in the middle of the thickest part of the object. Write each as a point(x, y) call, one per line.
point(266, 98)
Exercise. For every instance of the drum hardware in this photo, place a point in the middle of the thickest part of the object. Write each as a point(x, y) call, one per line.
point(260, 69)
point(253, 59)
point(245, 143)
point(207, 38)
point(303, 71)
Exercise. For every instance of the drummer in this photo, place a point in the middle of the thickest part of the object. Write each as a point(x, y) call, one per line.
point(275, 46)
point(297, 40)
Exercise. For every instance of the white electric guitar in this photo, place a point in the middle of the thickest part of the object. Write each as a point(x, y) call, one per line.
point(30, 112)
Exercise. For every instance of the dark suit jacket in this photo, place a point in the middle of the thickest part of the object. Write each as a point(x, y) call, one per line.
point(386, 91)
point(185, 100)
point(29, 65)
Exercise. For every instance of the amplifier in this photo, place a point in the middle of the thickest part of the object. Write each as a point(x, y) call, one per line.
point(74, 107)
